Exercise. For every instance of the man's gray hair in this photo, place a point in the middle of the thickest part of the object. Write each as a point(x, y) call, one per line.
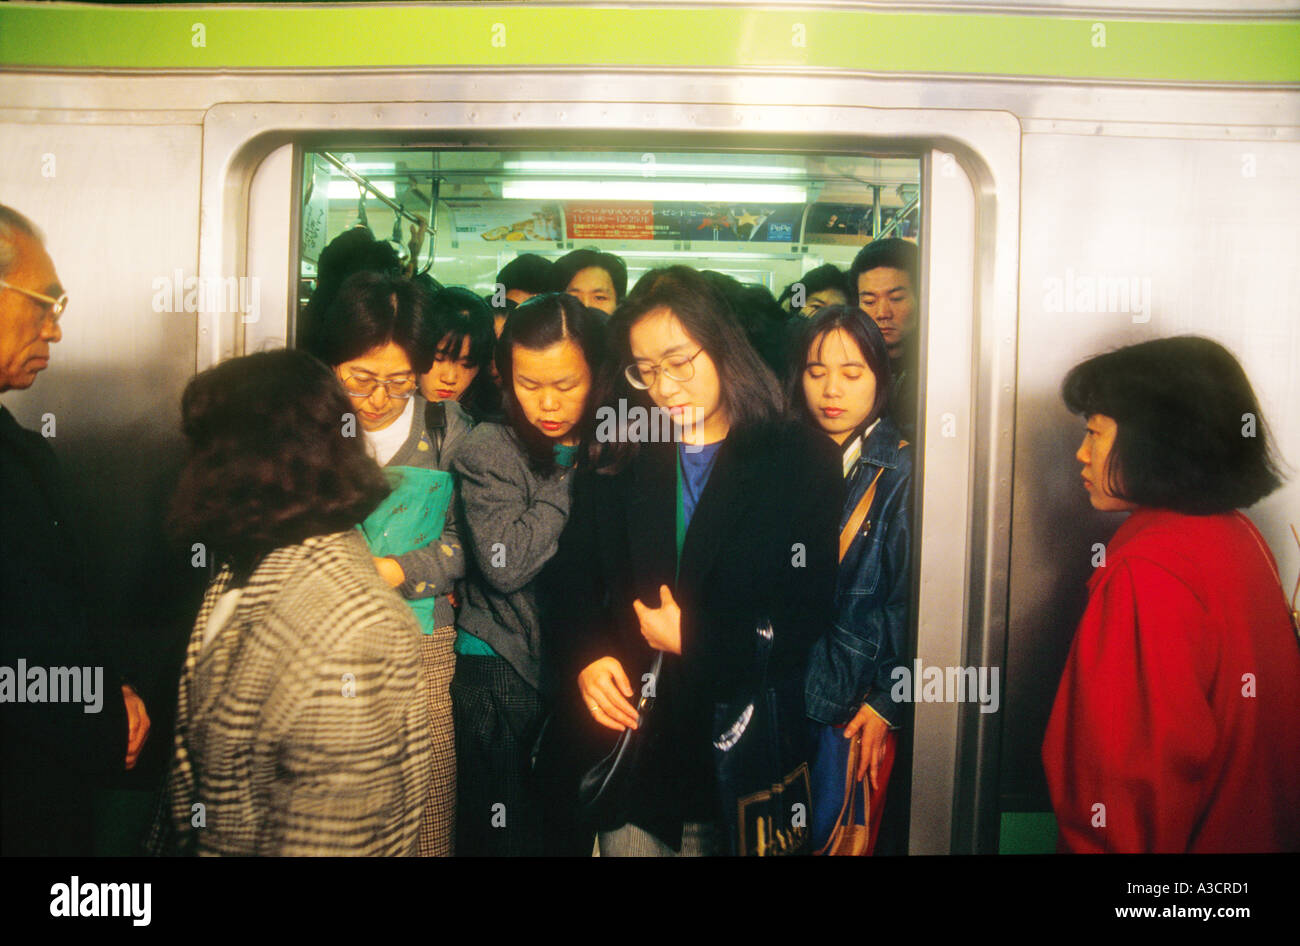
point(13, 224)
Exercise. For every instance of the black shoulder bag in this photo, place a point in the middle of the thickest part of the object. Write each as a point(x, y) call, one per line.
point(760, 761)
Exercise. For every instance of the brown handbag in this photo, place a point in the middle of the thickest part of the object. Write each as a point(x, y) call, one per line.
point(848, 838)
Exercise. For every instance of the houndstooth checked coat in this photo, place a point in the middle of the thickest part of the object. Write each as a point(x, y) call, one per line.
point(300, 729)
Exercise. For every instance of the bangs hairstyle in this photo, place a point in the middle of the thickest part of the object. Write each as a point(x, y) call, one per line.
point(749, 392)
point(371, 310)
point(268, 463)
point(458, 314)
point(1190, 436)
point(807, 345)
point(537, 324)
point(569, 265)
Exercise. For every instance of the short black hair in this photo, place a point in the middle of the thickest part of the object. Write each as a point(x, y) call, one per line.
point(530, 273)
point(759, 314)
point(865, 333)
point(826, 276)
point(355, 250)
point(458, 314)
point(371, 310)
point(537, 324)
point(270, 462)
point(892, 253)
point(569, 265)
point(1190, 435)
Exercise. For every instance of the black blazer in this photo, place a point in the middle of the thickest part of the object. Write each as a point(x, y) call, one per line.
point(762, 543)
point(49, 749)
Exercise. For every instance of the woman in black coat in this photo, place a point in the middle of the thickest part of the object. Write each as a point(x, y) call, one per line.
point(749, 507)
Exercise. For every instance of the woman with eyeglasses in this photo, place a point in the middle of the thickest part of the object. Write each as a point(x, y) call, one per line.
point(686, 546)
point(371, 336)
point(840, 385)
point(516, 485)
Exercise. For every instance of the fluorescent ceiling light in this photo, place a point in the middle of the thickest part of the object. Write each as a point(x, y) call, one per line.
point(723, 193)
point(346, 190)
point(652, 168)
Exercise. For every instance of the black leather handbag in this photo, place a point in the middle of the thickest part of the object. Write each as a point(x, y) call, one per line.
point(602, 792)
point(760, 760)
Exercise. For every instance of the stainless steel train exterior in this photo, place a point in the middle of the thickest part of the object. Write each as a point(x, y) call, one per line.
point(1180, 181)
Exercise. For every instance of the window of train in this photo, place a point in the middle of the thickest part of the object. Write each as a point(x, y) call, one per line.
point(763, 219)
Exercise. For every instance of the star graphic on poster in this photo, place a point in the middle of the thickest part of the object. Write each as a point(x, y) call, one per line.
point(748, 218)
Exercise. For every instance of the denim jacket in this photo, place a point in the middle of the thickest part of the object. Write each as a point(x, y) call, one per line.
point(852, 663)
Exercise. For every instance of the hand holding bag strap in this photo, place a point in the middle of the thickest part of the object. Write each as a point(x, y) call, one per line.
point(848, 838)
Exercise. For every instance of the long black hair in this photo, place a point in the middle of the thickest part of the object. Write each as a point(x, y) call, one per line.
point(865, 333)
point(1190, 435)
point(750, 394)
point(537, 324)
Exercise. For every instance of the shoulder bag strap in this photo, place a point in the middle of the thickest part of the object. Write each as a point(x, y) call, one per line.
point(860, 511)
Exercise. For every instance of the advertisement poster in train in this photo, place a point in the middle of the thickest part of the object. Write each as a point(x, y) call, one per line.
point(315, 215)
point(838, 223)
point(662, 220)
point(508, 220)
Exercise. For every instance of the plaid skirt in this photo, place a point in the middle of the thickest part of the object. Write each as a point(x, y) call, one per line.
point(498, 715)
point(437, 665)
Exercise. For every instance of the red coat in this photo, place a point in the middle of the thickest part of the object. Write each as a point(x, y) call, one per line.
point(1179, 707)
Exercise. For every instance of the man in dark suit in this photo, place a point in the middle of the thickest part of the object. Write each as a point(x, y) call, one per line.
point(55, 744)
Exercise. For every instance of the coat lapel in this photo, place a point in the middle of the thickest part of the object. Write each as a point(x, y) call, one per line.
point(728, 494)
point(651, 520)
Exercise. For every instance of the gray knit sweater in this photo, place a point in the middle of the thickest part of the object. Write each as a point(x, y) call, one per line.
point(511, 523)
point(435, 568)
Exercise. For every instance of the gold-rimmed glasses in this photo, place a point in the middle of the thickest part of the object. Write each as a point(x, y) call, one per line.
point(57, 306)
point(680, 368)
point(399, 389)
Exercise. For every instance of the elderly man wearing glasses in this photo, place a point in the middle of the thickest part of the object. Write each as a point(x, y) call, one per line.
point(52, 752)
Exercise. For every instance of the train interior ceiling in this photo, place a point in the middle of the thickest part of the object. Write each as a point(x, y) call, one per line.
point(761, 218)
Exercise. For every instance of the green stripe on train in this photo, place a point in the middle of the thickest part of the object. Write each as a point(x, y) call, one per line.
point(280, 36)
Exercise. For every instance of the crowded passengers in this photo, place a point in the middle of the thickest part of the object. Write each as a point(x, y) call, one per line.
point(451, 614)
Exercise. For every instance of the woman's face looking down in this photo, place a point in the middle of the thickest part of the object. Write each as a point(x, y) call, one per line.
point(838, 385)
point(551, 385)
point(661, 346)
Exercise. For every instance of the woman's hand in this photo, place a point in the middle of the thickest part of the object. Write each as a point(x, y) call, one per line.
point(874, 730)
point(606, 692)
point(137, 719)
point(390, 571)
point(661, 626)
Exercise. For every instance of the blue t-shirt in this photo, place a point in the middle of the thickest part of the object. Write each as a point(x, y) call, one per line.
point(697, 464)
